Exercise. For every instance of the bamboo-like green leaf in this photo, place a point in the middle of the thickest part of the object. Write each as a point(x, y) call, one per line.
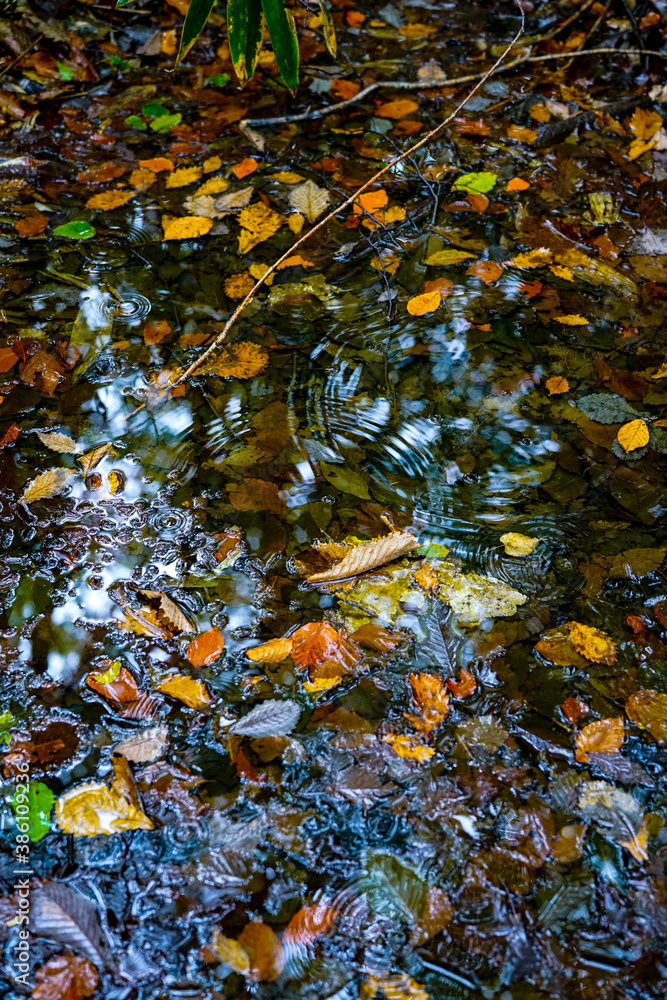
point(282, 30)
point(198, 14)
point(245, 24)
point(123, 3)
point(328, 29)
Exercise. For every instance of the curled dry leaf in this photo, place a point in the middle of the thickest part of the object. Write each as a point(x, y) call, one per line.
point(48, 484)
point(367, 555)
point(206, 648)
point(603, 736)
point(272, 651)
point(648, 710)
point(592, 643)
point(191, 692)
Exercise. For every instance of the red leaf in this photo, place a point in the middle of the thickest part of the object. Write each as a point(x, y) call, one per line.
point(206, 648)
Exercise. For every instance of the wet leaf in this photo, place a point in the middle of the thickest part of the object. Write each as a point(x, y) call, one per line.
point(398, 986)
point(346, 480)
point(77, 230)
point(517, 184)
point(188, 690)
point(644, 124)
point(257, 494)
point(310, 923)
point(264, 951)
point(422, 305)
point(539, 257)
point(409, 747)
point(648, 710)
point(107, 201)
point(603, 736)
point(92, 809)
point(319, 644)
point(528, 135)
point(259, 222)
point(371, 202)
point(10, 435)
point(206, 648)
point(269, 718)
point(187, 228)
point(487, 271)
point(617, 815)
point(448, 256)
point(58, 442)
point(231, 952)
point(465, 687)
point(438, 913)
point(557, 384)
point(7, 359)
point(146, 746)
point(60, 914)
point(65, 977)
point(592, 643)
point(431, 697)
point(38, 800)
point(607, 409)
point(379, 639)
point(32, 226)
point(400, 108)
point(392, 888)
point(516, 544)
point(242, 360)
point(273, 651)
point(310, 200)
point(367, 555)
point(478, 183)
point(633, 435)
point(48, 484)
point(115, 683)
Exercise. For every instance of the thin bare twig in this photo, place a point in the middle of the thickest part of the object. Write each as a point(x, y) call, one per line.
point(5, 69)
point(454, 82)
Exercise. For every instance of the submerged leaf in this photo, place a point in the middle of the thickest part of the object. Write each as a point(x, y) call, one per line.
point(648, 710)
point(310, 200)
point(603, 736)
point(91, 809)
point(518, 545)
point(48, 484)
point(269, 718)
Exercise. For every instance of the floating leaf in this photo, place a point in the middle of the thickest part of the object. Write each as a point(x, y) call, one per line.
point(557, 384)
point(603, 736)
point(448, 256)
point(539, 257)
point(572, 320)
point(431, 697)
point(346, 480)
point(146, 746)
point(310, 200)
point(478, 183)
point(392, 888)
point(528, 135)
point(607, 409)
point(422, 305)
point(32, 226)
point(370, 202)
point(400, 108)
point(517, 184)
point(187, 228)
point(65, 977)
point(616, 814)
point(190, 691)
point(206, 648)
point(409, 747)
point(648, 710)
point(58, 442)
point(633, 435)
point(77, 230)
point(157, 164)
point(269, 718)
point(487, 271)
point(644, 124)
point(465, 687)
point(231, 952)
point(517, 544)
point(107, 201)
point(319, 644)
point(368, 555)
point(593, 644)
point(309, 923)
point(48, 484)
point(92, 808)
point(273, 651)
point(7, 359)
point(259, 222)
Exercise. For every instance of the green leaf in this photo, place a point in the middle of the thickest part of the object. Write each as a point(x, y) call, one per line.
point(6, 723)
point(123, 3)
point(282, 30)
point(109, 675)
point(64, 72)
point(346, 480)
point(154, 110)
point(328, 29)
point(165, 122)
point(136, 122)
point(607, 408)
point(480, 183)
point(77, 230)
point(198, 14)
point(245, 23)
point(392, 889)
point(40, 801)
point(219, 80)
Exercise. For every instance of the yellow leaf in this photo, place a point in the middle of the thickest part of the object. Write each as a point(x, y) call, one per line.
point(540, 113)
point(521, 134)
point(47, 484)
point(116, 483)
point(321, 684)
point(591, 643)
point(638, 843)
point(239, 361)
point(449, 257)
point(398, 986)
point(397, 109)
point(408, 747)
point(603, 736)
point(427, 302)
point(191, 692)
point(286, 177)
point(394, 213)
point(309, 199)
point(157, 164)
point(648, 710)
point(644, 124)
point(534, 258)
point(638, 148)
point(58, 442)
point(211, 164)
point(258, 271)
point(562, 272)
point(571, 320)
point(557, 384)
point(230, 952)
point(272, 651)
point(214, 185)
point(517, 544)
point(387, 260)
point(108, 200)
point(92, 809)
point(142, 179)
point(661, 372)
point(633, 435)
point(187, 228)
point(295, 222)
point(183, 176)
point(237, 286)
point(92, 459)
point(296, 261)
point(259, 222)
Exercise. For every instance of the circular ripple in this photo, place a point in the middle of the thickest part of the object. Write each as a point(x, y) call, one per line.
point(169, 522)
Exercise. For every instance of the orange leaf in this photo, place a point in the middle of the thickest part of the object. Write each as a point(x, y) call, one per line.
point(408, 747)
point(257, 494)
point(442, 285)
point(154, 333)
point(431, 697)
point(465, 687)
point(108, 200)
point(32, 226)
point(309, 923)
point(206, 648)
point(379, 639)
point(648, 710)
point(344, 89)
point(296, 261)
point(10, 435)
point(157, 164)
point(530, 288)
point(100, 173)
point(557, 384)
point(315, 643)
point(487, 271)
point(397, 109)
point(574, 709)
point(187, 228)
point(477, 201)
point(517, 184)
point(539, 257)
point(191, 692)
point(272, 651)
point(467, 127)
point(354, 18)
point(603, 736)
point(7, 359)
point(142, 179)
point(633, 435)
point(540, 113)
point(427, 302)
point(246, 166)
point(370, 202)
point(265, 951)
point(522, 134)
point(122, 688)
point(65, 977)
point(592, 643)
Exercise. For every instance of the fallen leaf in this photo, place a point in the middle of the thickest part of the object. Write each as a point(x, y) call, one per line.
point(264, 950)
point(344, 89)
point(539, 257)
point(65, 977)
point(644, 124)
point(603, 736)
point(571, 320)
point(517, 184)
point(237, 286)
point(234, 201)
point(487, 271)
point(190, 691)
point(633, 435)
point(183, 176)
point(557, 384)
point(231, 952)
point(115, 682)
point(32, 225)
point(367, 555)
point(257, 494)
point(48, 484)
point(269, 718)
point(480, 182)
point(296, 261)
point(448, 257)
point(259, 222)
point(398, 986)
point(409, 747)
point(101, 173)
point(370, 202)
point(146, 746)
point(247, 166)
point(189, 227)
point(287, 176)
point(91, 809)
point(273, 651)
point(516, 544)
point(242, 360)
point(556, 647)
point(62, 443)
point(155, 333)
point(617, 814)
point(108, 200)
point(142, 179)
point(465, 687)
point(206, 648)
point(10, 435)
point(379, 639)
point(157, 164)
point(648, 710)
point(7, 359)
point(528, 135)
point(430, 695)
point(592, 644)
point(400, 108)
point(310, 200)
point(424, 304)
point(214, 185)
point(319, 644)
point(309, 923)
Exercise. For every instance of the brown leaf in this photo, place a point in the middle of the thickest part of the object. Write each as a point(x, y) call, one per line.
point(603, 736)
point(264, 950)
point(431, 697)
point(438, 912)
point(206, 648)
point(65, 977)
point(400, 108)
point(32, 225)
point(556, 647)
point(56, 441)
point(256, 494)
point(243, 360)
point(573, 709)
point(368, 555)
point(487, 271)
point(155, 333)
point(319, 645)
point(10, 435)
point(7, 359)
point(379, 639)
point(648, 710)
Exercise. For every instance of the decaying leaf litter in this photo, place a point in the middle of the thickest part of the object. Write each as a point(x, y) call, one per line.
point(340, 668)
